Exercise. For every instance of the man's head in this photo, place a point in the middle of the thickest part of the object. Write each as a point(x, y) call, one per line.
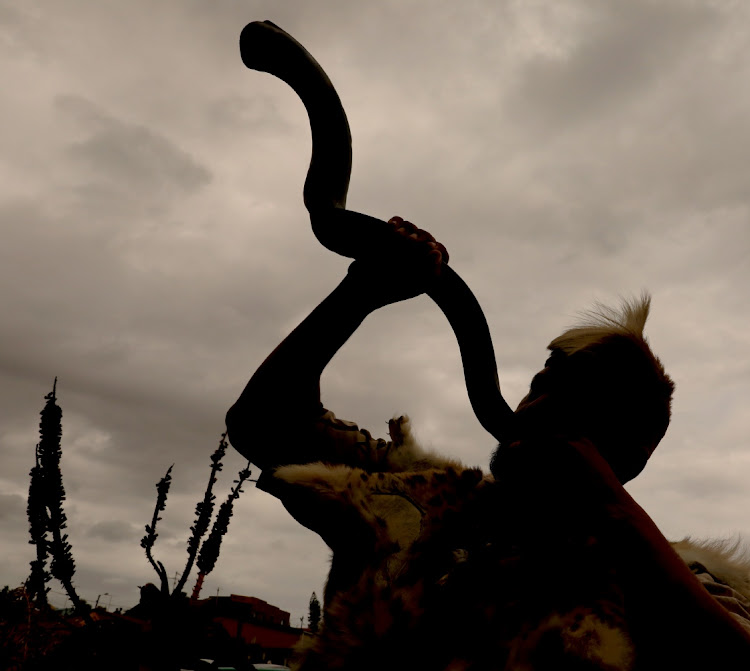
point(603, 383)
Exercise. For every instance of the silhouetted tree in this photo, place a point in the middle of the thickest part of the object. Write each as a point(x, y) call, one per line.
point(203, 511)
point(36, 583)
point(211, 547)
point(313, 617)
point(147, 542)
point(48, 497)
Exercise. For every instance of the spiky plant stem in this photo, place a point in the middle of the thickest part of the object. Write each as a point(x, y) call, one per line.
point(203, 510)
point(49, 452)
point(147, 542)
point(211, 547)
point(38, 525)
point(198, 586)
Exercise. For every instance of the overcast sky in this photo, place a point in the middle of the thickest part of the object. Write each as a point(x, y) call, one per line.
point(155, 246)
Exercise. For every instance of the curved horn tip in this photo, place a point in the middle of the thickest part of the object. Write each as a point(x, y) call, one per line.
point(255, 39)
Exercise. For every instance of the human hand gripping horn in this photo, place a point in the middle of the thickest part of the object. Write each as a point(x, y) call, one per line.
point(267, 48)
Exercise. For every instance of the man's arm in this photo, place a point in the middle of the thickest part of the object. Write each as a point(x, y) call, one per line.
point(274, 419)
point(282, 398)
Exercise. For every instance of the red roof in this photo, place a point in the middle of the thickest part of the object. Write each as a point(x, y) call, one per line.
point(257, 633)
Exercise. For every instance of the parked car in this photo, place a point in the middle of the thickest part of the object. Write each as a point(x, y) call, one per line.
point(211, 665)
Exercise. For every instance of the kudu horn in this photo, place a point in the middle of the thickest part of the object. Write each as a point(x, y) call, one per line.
point(266, 47)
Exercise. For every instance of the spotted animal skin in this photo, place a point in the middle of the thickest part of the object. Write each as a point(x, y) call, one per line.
point(431, 570)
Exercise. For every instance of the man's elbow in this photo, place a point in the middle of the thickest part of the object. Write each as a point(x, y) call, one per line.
point(251, 433)
point(259, 426)
point(237, 429)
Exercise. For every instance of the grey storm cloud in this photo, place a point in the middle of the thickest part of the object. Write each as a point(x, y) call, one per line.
point(12, 507)
point(622, 52)
point(156, 248)
point(238, 112)
point(114, 158)
point(139, 157)
point(114, 531)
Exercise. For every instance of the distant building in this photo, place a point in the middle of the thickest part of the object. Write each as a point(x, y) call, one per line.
point(263, 627)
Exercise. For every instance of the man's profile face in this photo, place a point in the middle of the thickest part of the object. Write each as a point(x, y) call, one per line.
point(547, 380)
point(539, 387)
